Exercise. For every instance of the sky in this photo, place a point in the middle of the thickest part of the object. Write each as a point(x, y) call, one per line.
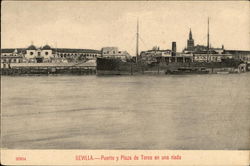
point(93, 25)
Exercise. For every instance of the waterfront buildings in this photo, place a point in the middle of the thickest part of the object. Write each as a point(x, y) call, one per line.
point(46, 54)
point(165, 55)
point(192, 53)
point(114, 52)
point(201, 53)
point(156, 52)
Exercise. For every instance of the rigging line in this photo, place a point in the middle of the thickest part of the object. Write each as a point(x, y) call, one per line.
point(204, 37)
point(143, 41)
point(131, 43)
point(134, 37)
point(133, 40)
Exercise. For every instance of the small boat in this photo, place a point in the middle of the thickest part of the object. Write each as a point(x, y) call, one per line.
point(223, 72)
point(188, 70)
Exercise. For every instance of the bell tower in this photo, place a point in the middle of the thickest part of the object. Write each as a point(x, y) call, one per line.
point(190, 42)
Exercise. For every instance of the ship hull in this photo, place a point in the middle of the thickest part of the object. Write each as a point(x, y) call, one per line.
point(184, 71)
point(113, 72)
point(115, 66)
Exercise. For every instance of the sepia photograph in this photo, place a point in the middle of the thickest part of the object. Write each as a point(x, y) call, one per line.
point(125, 75)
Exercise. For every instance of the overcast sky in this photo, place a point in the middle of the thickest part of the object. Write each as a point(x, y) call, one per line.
point(95, 25)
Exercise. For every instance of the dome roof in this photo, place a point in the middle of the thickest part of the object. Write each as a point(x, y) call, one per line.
point(31, 47)
point(46, 47)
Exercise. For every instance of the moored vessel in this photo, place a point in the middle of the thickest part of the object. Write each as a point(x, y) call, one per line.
point(114, 66)
point(188, 70)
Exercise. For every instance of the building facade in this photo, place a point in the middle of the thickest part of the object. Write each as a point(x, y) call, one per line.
point(114, 52)
point(11, 56)
point(165, 56)
point(39, 55)
point(46, 54)
point(240, 54)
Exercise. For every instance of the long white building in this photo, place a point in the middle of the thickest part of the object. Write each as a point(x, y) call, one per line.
point(46, 54)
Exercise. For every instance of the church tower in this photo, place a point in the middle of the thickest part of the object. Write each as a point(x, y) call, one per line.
point(190, 42)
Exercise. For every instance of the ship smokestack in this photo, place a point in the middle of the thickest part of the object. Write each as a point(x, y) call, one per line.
point(173, 48)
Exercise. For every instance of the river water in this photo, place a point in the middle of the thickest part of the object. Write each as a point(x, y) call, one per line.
point(126, 112)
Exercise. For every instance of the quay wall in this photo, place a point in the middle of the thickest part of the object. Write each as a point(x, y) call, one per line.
point(51, 64)
point(49, 70)
point(90, 68)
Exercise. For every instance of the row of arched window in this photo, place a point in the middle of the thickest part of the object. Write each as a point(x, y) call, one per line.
point(67, 55)
point(12, 60)
point(7, 55)
point(39, 53)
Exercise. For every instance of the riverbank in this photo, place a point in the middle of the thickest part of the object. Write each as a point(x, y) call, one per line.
point(45, 70)
point(90, 69)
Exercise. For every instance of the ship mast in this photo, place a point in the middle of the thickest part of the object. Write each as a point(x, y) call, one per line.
point(208, 39)
point(137, 41)
point(208, 34)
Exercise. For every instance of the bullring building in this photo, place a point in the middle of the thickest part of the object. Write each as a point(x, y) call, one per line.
point(46, 54)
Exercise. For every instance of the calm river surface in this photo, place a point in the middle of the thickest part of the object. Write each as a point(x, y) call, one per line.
point(126, 112)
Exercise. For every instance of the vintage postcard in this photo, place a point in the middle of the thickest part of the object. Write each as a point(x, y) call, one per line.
point(125, 83)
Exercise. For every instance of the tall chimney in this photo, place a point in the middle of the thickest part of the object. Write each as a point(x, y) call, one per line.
point(173, 48)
